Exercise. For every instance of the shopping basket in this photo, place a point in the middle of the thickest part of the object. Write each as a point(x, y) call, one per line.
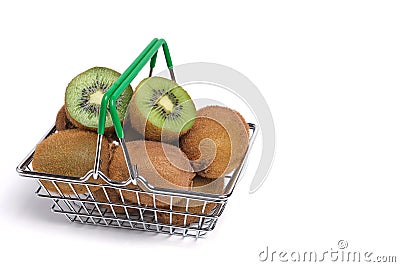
point(143, 214)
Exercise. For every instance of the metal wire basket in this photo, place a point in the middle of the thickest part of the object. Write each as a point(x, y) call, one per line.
point(104, 204)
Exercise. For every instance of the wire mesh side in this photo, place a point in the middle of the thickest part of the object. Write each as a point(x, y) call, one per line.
point(104, 205)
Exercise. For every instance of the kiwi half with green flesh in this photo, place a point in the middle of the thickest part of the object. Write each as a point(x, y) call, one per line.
point(69, 153)
point(217, 142)
point(161, 110)
point(84, 94)
point(162, 165)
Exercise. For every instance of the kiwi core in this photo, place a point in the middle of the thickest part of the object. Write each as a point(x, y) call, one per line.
point(166, 103)
point(96, 97)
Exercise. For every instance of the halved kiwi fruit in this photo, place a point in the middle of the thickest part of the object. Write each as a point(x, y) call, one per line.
point(84, 94)
point(161, 110)
point(217, 142)
point(163, 165)
point(69, 153)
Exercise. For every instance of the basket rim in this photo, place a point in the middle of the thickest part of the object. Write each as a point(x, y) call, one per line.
point(24, 171)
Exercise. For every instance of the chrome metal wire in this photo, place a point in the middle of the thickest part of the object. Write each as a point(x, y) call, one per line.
point(89, 208)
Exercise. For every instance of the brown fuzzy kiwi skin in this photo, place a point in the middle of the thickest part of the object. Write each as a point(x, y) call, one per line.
point(129, 132)
point(145, 128)
point(69, 153)
point(111, 136)
point(219, 127)
point(155, 166)
point(246, 126)
point(200, 184)
point(62, 122)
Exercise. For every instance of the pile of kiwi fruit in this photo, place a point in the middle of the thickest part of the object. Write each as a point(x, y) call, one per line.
point(173, 145)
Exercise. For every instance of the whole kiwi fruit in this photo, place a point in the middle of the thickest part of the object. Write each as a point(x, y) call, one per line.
point(217, 142)
point(161, 110)
point(69, 153)
point(162, 165)
point(84, 94)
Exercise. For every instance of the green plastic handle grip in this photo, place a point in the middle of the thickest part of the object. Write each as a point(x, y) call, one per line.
point(153, 61)
point(113, 99)
point(166, 54)
point(110, 98)
point(107, 95)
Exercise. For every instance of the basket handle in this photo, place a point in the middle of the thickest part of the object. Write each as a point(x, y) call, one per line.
point(110, 98)
point(116, 84)
point(152, 56)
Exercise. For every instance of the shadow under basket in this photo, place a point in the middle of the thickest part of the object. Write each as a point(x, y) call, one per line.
point(104, 204)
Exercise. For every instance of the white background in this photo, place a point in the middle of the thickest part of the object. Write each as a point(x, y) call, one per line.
point(329, 71)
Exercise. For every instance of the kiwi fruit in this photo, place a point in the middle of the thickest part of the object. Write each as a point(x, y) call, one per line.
point(69, 153)
point(130, 134)
point(217, 142)
point(161, 110)
point(62, 122)
point(84, 94)
point(111, 136)
point(207, 186)
point(162, 165)
point(200, 184)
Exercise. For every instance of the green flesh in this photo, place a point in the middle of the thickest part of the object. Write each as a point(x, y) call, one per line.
point(165, 104)
point(84, 93)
